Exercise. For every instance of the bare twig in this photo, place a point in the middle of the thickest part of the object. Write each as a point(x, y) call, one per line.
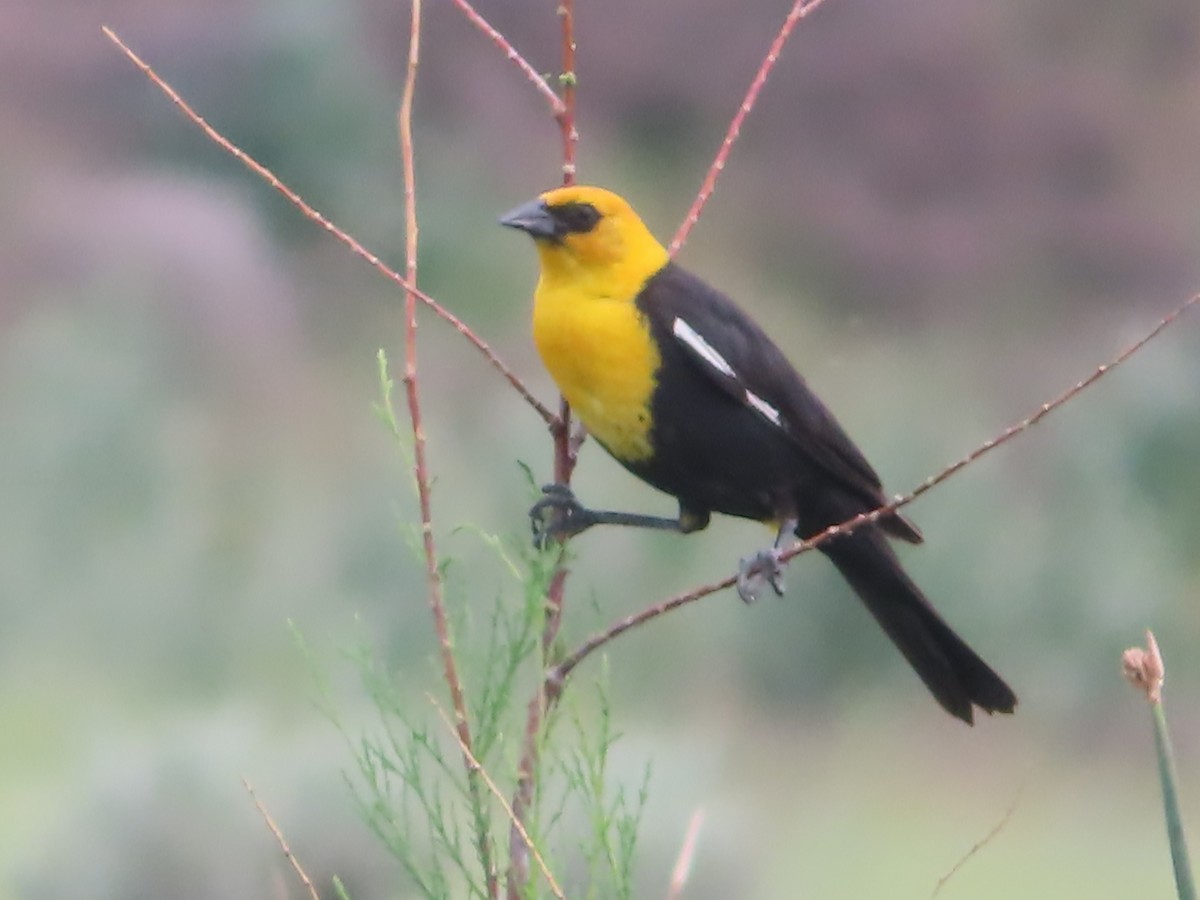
point(518, 850)
point(979, 845)
point(559, 673)
point(544, 696)
point(562, 108)
point(565, 454)
point(491, 785)
point(799, 10)
point(566, 450)
point(687, 853)
point(313, 215)
point(567, 78)
point(283, 845)
point(557, 107)
point(433, 573)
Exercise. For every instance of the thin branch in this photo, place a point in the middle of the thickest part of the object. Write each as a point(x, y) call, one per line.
point(687, 854)
point(562, 108)
point(545, 695)
point(283, 845)
point(799, 10)
point(979, 845)
point(557, 675)
point(567, 441)
point(557, 107)
point(566, 449)
point(420, 464)
point(565, 453)
point(487, 779)
point(566, 446)
point(313, 215)
point(567, 78)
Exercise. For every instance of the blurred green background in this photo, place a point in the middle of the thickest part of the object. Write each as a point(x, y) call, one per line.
point(947, 213)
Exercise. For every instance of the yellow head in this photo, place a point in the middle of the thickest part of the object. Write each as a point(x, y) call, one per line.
point(590, 239)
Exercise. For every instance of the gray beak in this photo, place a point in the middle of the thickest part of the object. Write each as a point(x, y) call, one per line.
point(534, 218)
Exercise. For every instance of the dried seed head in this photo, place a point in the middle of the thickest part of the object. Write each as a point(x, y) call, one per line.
point(1144, 668)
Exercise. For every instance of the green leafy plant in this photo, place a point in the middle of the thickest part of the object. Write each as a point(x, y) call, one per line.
point(1145, 669)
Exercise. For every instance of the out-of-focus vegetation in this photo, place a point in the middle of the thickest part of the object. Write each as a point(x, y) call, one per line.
point(945, 212)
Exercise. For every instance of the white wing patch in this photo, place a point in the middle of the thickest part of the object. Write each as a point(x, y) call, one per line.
point(693, 340)
point(706, 351)
point(763, 408)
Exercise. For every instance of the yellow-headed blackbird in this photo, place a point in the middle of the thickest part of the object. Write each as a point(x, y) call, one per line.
point(693, 397)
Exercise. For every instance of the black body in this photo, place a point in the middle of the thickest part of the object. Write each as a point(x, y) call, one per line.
point(717, 453)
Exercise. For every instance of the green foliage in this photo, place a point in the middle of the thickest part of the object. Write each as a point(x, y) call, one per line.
point(1184, 885)
point(613, 813)
point(413, 783)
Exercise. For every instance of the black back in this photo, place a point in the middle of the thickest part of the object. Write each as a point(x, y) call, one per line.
point(715, 452)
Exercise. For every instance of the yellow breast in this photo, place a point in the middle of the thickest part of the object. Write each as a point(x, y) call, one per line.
point(600, 353)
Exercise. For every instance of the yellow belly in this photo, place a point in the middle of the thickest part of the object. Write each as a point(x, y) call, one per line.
point(600, 354)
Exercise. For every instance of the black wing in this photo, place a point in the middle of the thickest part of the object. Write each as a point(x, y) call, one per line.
point(734, 354)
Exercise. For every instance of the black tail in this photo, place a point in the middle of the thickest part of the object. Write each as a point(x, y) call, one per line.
point(952, 671)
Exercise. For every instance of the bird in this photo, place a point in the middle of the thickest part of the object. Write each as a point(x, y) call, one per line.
point(687, 392)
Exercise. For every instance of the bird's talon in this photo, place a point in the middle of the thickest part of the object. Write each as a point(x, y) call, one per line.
point(557, 515)
point(764, 566)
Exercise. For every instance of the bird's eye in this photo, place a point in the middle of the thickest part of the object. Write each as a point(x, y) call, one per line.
point(577, 218)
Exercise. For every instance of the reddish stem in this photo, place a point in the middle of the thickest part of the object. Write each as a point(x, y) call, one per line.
point(566, 117)
point(279, 839)
point(799, 10)
point(564, 464)
point(558, 675)
point(315, 216)
point(433, 573)
point(564, 450)
point(557, 106)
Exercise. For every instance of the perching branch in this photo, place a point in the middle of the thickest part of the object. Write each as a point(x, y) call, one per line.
point(566, 448)
point(565, 454)
point(557, 675)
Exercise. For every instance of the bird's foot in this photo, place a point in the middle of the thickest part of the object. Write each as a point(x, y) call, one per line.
point(754, 571)
point(558, 516)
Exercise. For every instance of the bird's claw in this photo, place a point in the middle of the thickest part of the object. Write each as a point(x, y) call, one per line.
point(557, 516)
point(763, 566)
